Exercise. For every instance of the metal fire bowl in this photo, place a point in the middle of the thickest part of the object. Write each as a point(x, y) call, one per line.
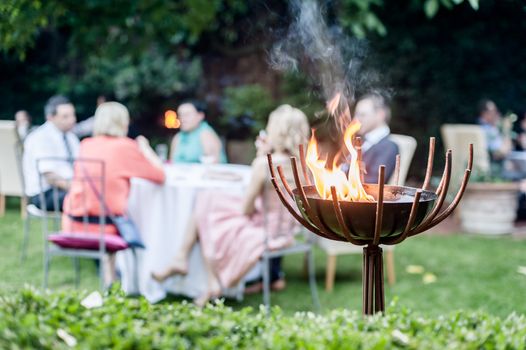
point(360, 216)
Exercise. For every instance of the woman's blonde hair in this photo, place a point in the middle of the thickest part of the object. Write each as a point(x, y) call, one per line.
point(287, 128)
point(111, 119)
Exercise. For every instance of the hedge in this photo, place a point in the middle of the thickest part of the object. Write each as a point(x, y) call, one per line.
point(43, 320)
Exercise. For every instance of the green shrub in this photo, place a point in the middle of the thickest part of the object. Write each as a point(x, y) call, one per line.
point(32, 319)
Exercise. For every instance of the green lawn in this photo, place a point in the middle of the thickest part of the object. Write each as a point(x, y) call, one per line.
point(473, 272)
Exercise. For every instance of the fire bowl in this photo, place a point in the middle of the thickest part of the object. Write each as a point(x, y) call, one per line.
point(360, 216)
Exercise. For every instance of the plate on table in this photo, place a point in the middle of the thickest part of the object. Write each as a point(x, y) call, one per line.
point(222, 175)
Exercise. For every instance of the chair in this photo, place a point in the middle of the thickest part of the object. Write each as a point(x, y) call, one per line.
point(274, 213)
point(76, 243)
point(29, 211)
point(406, 149)
point(10, 184)
point(459, 136)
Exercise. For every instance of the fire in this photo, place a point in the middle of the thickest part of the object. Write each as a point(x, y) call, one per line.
point(170, 120)
point(348, 186)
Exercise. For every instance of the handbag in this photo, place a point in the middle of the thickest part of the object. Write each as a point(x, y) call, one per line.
point(124, 224)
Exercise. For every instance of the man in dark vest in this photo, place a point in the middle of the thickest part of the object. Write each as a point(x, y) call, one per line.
point(373, 112)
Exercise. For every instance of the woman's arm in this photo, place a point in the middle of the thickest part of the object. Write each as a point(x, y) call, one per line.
point(211, 145)
point(148, 152)
point(255, 187)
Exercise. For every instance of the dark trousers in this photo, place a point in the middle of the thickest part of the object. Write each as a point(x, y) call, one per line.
point(49, 200)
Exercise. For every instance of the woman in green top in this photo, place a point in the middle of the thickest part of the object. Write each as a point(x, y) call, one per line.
point(197, 142)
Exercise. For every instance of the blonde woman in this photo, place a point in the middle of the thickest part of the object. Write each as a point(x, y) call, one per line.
point(123, 158)
point(231, 228)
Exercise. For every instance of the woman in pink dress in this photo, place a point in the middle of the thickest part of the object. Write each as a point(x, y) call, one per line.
point(230, 228)
point(123, 159)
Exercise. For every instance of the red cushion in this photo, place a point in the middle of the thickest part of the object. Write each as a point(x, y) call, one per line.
point(89, 241)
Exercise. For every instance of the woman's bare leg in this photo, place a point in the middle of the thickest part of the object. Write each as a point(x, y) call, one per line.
point(179, 265)
point(110, 273)
point(213, 284)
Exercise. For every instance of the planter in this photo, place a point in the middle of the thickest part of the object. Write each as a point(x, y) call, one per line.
point(240, 151)
point(489, 208)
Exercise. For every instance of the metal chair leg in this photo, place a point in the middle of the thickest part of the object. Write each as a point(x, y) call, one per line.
point(27, 226)
point(102, 270)
point(266, 282)
point(76, 264)
point(47, 259)
point(312, 281)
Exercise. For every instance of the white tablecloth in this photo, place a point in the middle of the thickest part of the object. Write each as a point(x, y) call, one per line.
point(161, 213)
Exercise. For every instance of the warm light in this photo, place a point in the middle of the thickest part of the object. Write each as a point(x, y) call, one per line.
point(348, 187)
point(170, 120)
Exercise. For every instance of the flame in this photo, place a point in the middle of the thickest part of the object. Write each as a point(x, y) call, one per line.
point(348, 186)
point(170, 120)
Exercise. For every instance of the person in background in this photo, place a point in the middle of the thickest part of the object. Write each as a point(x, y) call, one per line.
point(197, 142)
point(85, 128)
point(124, 158)
point(53, 139)
point(23, 124)
point(374, 114)
point(234, 230)
point(498, 140)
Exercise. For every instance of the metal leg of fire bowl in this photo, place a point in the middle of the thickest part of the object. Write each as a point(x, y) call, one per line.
point(373, 280)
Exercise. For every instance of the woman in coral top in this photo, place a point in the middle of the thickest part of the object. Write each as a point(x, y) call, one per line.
point(123, 159)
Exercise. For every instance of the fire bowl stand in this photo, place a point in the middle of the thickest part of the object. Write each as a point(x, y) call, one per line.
point(373, 299)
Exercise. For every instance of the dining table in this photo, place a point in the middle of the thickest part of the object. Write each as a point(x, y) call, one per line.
point(161, 214)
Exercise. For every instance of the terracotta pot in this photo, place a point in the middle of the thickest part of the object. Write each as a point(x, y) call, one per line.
point(489, 208)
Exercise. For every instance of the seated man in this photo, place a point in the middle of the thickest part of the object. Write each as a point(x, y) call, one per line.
point(374, 114)
point(498, 141)
point(53, 139)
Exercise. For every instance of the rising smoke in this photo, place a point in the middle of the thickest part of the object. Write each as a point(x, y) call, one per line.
point(333, 61)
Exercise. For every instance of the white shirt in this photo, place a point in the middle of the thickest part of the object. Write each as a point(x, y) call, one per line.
point(374, 136)
point(47, 141)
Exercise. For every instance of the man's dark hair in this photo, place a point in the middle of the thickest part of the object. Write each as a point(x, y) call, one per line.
point(483, 105)
point(379, 102)
point(200, 106)
point(53, 103)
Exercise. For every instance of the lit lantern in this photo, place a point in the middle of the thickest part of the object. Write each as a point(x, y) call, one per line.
point(170, 120)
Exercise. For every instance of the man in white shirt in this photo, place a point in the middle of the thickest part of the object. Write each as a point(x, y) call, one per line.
point(373, 112)
point(53, 139)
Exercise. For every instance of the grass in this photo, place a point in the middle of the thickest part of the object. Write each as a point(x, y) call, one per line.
point(473, 272)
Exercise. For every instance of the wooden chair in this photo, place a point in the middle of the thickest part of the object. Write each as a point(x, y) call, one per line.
point(406, 149)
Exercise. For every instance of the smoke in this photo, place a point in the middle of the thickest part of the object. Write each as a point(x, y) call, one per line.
point(333, 61)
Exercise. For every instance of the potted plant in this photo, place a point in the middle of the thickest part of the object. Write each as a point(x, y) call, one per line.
point(489, 205)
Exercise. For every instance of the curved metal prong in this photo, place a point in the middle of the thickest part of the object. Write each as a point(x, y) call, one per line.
point(291, 209)
point(306, 205)
point(429, 168)
point(341, 221)
point(284, 181)
point(443, 215)
point(379, 205)
point(396, 173)
point(410, 222)
point(304, 165)
point(441, 198)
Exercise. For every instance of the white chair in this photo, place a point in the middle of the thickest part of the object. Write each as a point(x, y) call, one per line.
point(10, 183)
point(286, 224)
point(406, 149)
point(458, 137)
